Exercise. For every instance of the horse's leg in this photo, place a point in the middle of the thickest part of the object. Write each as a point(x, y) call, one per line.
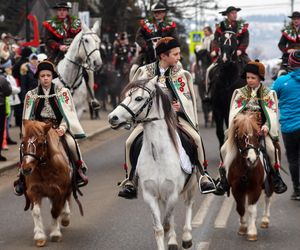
point(65, 214)
point(57, 207)
point(187, 229)
point(157, 225)
point(39, 232)
point(266, 215)
point(169, 224)
point(219, 127)
point(252, 230)
point(240, 208)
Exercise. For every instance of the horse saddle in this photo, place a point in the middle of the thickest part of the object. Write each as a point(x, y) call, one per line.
point(186, 140)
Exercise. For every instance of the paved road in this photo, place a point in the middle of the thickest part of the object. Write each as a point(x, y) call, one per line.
point(112, 223)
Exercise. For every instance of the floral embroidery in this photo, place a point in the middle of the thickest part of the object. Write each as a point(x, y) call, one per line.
point(66, 97)
point(180, 84)
point(28, 101)
point(188, 95)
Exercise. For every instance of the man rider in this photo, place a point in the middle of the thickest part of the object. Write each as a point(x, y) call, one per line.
point(239, 27)
point(290, 39)
point(59, 32)
point(151, 29)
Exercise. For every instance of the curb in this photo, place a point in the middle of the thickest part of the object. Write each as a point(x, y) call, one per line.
point(15, 162)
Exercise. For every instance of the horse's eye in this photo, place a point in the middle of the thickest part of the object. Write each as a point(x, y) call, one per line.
point(139, 98)
point(86, 40)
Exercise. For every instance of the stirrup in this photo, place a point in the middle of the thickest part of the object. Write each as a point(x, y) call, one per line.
point(210, 182)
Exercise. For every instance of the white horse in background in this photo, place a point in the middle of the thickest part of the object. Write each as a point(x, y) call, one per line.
point(160, 175)
point(82, 55)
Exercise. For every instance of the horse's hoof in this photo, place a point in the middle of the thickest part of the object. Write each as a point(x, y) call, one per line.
point(242, 231)
point(65, 222)
point(264, 224)
point(187, 244)
point(40, 243)
point(172, 247)
point(56, 238)
point(252, 237)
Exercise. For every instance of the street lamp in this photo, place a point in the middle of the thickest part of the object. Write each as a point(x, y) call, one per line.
point(2, 18)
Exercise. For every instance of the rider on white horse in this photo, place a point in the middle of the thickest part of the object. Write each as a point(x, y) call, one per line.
point(178, 84)
point(256, 99)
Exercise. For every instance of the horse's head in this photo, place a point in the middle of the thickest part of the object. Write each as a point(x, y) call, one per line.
point(136, 105)
point(33, 149)
point(246, 136)
point(88, 46)
point(228, 46)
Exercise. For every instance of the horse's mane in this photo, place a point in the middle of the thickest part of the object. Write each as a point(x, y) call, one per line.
point(169, 113)
point(243, 123)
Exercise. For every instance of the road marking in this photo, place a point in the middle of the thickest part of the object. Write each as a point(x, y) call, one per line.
point(203, 245)
point(201, 213)
point(224, 213)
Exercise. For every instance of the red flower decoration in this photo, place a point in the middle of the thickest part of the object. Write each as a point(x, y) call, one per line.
point(270, 104)
point(65, 94)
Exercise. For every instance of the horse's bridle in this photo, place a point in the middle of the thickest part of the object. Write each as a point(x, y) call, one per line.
point(247, 146)
point(31, 150)
point(148, 102)
point(87, 54)
point(79, 74)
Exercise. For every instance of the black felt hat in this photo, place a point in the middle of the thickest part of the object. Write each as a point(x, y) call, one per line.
point(158, 7)
point(228, 10)
point(61, 5)
point(296, 14)
point(45, 65)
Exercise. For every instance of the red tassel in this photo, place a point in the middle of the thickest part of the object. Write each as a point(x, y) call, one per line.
point(125, 167)
point(221, 164)
point(205, 163)
point(277, 166)
point(79, 163)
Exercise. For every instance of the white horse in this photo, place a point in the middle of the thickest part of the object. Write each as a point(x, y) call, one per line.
point(83, 53)
point(161, 177)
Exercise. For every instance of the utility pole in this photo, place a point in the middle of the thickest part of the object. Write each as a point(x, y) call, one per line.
point(292, 6)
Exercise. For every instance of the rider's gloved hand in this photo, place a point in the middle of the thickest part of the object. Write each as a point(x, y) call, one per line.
point(213, 54)
point(238, 52)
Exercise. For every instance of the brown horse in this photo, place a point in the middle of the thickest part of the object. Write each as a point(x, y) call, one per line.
point(47, 174)
point(246, 174)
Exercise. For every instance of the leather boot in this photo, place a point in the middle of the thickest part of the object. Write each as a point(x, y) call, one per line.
point(222, 187)
point(296, 194)
point(129, 191)
point(81, 178)
point(278, 184)
point(19, 185)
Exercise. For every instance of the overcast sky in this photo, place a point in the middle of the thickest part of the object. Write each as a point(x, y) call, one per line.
point(250, 7)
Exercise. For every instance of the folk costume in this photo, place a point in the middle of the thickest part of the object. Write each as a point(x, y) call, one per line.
point(150, 31)
point(60, 32)
point(290, 39)
point(177, 83)
point(263, 103)
point(239, 27)
point(55, 105)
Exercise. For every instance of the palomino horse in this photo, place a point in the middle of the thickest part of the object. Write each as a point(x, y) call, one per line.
point(161, 177)
point(246, 174)
point(224, 79)
point(47, 174)
point(83, 56)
